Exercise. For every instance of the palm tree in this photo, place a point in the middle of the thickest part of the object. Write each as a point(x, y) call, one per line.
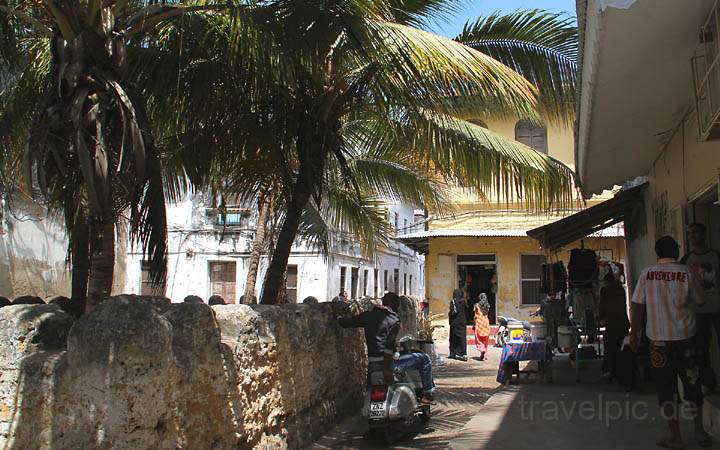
point(539, 45)
point(325, 96)
point(339, 79)
point(90, 149)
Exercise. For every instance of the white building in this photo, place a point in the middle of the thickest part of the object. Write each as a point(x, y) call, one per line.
point(204, 259)
point(33, 250)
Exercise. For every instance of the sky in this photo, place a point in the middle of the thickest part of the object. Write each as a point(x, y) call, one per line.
point(476, 8)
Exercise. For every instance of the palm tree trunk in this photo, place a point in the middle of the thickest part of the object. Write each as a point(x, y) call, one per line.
point(80, 260)
point(311, 155)
point(257, 249)
point(278, 265)
point(102, 261)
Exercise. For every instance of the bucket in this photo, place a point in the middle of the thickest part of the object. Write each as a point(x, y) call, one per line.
point(538, 331)
point(516, 332)
point(566, 336)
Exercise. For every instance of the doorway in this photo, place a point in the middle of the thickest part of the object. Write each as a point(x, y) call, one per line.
point(477, 273)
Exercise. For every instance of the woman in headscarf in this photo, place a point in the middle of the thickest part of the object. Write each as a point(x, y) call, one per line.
point(458, 324)
point(482, 324)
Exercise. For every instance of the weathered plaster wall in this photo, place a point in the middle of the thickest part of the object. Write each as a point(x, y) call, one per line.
point(194, 242)
point(561, 143)
point(442, 269)
point(142, 373)
point(33, 248)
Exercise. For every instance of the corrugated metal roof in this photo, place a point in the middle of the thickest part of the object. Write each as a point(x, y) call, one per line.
point(419, 241)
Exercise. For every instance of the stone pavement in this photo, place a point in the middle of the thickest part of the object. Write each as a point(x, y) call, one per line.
point(475, 412)
point(567, 415)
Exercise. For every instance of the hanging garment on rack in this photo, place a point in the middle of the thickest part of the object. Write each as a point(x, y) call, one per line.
point(559, 278)
point(583, 266)
point(545, 279)
point(584, 306)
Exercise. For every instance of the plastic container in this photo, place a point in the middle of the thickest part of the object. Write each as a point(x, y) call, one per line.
point(566, 336)
point(516, 332)
point(538, 331)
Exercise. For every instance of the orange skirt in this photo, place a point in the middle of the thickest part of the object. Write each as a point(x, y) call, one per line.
point(482, 331)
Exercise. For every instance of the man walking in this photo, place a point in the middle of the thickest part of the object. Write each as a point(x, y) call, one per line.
point(664, 293)
point(705, 264)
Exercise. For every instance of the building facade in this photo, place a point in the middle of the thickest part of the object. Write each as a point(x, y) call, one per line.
point(206, 258)
point(649, 128)
point(485, 245)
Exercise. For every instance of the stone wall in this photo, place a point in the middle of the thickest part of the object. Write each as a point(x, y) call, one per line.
point(141, 373)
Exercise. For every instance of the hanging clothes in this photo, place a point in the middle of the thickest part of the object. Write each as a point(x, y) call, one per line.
point(583, 267)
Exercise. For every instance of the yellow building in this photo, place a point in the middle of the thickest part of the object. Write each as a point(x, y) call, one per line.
point(485, 243)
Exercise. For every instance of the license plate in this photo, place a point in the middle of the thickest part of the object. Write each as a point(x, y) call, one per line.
point(377, 410)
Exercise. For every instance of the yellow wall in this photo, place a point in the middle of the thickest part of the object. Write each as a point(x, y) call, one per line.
point(561, 143)
point(441, 268)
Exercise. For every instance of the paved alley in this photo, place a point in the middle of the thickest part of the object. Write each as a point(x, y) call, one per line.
point(475, 412)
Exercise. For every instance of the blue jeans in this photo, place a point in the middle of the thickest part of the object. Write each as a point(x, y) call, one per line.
point(422, 363)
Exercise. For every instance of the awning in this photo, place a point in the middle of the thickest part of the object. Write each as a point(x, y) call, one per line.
point(589, 221)
point(636, 83)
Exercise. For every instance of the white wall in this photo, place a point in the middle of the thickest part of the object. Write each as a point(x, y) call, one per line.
point(33, 249)
point(194, 242)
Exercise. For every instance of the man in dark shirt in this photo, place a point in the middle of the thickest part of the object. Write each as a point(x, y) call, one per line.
point(705, 264)
point(381, 325)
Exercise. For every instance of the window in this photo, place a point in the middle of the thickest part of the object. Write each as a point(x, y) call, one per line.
point(222, 280)
point(405, 284)
point(532, 135)
point(354, 273)
point(411, 291)
point(385, 281)
point(146, 285)
point(530, 272)
point(405, 224)
point(291, 283)
point(233, 217)
point(343, 276)
point(395, 222)
point(366, 274)
point(375, 283)
point(396, 281)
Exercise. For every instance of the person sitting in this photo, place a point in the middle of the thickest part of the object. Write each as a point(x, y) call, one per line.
point(381, 325)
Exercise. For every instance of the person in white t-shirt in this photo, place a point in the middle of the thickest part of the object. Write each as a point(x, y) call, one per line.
point(667, 294)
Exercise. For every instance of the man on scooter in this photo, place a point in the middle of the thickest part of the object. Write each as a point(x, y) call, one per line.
point(381, 325)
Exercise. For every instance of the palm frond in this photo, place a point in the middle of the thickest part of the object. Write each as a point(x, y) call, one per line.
point(540, 46)
point(474, 157)
point(423, 70)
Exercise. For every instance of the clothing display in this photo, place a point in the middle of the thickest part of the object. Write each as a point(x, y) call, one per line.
point(584, 307)
point(582, 268)
point(553, 278)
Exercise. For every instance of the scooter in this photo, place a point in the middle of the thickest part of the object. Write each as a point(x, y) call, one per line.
point(395, 411)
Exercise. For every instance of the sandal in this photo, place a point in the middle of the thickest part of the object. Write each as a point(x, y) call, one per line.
point(703, 439)
point(666, 442)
